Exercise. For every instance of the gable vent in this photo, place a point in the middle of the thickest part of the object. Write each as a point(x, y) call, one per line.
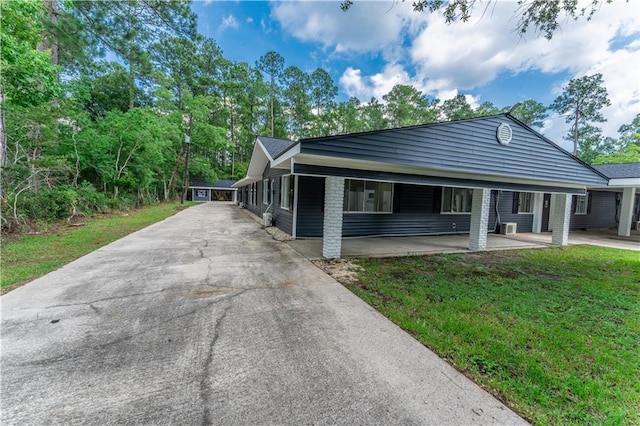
point(504, 134)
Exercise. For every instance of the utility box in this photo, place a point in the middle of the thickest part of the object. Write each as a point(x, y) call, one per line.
point(508, 228)
point(267, 218)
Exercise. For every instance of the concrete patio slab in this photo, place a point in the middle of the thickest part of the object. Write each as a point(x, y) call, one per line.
point(408, 246)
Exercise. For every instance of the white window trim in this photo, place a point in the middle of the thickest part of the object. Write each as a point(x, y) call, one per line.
point(520, 203)
point(586, 204)
point(283, 205)
point(265, 192)
point(442, 201)
point(363, 212)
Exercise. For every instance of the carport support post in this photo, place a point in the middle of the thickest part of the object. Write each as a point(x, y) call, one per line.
point(626, 212)
point(561, 219)
point(333, 207)
point(479, 219)
point(538, 201)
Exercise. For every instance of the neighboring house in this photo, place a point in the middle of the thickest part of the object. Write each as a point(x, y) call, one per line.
point(468, 176)
point(616, 205)
point(220, 190)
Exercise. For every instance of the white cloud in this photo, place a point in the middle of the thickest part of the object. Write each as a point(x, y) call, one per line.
point(443, 60)
point(228, 21)
point(249, 20)
point(366, 27)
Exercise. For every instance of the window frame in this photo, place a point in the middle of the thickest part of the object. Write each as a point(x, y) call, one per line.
point(285, 192)
point(265, 192)
point(365, 181)
point(585, 203)
point(453, 188)
point(521, 196)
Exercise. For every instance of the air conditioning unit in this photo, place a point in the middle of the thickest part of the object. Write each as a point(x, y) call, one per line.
point(267, 218)
point(636, 226)
point(508, 228)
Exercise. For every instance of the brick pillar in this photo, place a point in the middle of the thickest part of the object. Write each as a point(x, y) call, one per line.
point(561, 219)
point(626, 211)
point(479, 219)
point(538, 201)
point(333, 207)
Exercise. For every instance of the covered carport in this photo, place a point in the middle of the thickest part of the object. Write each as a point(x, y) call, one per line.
point(624, 179)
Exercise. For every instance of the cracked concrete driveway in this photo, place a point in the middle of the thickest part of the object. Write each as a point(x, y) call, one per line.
point(204, 319)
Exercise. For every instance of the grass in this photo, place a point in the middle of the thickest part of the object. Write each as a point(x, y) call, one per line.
point(30, 256)
point(555, 333)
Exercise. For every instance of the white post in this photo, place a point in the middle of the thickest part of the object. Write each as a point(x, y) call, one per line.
point(333, 208)
point(538, 202)
point(561, 219)
point(479, 219)
point(626, 212)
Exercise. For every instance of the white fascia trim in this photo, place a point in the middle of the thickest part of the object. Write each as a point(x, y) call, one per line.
point(317, 160)
point(626, 182)
point(290, 153)
point(259, 142)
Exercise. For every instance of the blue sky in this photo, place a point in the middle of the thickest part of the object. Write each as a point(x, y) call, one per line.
point(378, 44)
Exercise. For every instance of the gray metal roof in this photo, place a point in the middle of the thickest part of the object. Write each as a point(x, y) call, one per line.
point(464, 146)
point(275, 146)
point(619, 171)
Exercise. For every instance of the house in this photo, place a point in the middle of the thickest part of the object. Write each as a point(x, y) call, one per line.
point(220, 190)
point(468, 176)
point(616, 205)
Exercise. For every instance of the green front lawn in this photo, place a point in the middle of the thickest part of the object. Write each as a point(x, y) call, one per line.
point(555, 332)
point(31, 256)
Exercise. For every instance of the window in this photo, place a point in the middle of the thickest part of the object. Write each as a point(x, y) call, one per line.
point(285, 192)
point(265, 192)
point(525, 202)
point(582, 204)
point(456, 200)
point(254, 195)
point(367, 197)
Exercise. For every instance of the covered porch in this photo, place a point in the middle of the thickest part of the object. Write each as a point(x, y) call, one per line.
point(432, 244)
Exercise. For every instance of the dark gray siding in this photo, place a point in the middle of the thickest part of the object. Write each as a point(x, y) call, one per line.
point(415, 212)
point(312, 170)
point(283, 218)
point(462, 146)
point(505, 207)
point(602, 213)
point(310, 206)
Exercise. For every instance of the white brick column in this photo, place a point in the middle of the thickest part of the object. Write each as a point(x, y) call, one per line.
point(626, 212)
point(561, 218)
point(479, 219)
point(333, 207)
point(538, 201)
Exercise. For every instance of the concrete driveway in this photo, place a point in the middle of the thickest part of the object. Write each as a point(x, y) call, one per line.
point(204, 319)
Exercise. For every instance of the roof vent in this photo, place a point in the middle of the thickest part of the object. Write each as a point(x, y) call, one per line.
point(504, 134)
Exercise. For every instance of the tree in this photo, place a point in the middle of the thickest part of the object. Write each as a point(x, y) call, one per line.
point(630, 133)
point(530, 112)
point(323, 90)
point(28, 76)
point(628, 145)
point(582, 100)
point(406, 106)
point(544, 16)
point(457, 108)
point(272, 64)
point(297, 94)
point(130, 27)
point(373, 116)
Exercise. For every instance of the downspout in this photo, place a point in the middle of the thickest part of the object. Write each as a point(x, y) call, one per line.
point(496, 229)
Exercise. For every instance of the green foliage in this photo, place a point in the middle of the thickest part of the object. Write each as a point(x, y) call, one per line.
point(532, 113)
point(28, 76)
point(581, 102)
point(630, 154)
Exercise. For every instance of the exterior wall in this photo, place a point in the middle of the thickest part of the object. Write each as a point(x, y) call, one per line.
point(282, 218)
point(416, 211)
point(602, 213)
point(505, 207)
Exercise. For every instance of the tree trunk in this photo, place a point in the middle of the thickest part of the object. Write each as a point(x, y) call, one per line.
point(575, 133)
point(3, 134)
point(132, 82)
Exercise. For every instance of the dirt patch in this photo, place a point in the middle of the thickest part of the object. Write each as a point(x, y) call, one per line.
point(342, 270)
point(278, 234)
